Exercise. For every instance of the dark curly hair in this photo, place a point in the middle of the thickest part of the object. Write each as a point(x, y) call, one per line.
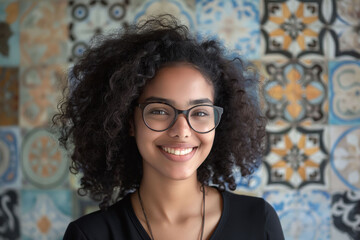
point(94, 117)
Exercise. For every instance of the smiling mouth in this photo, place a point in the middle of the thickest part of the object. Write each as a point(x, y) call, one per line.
point(178, 151)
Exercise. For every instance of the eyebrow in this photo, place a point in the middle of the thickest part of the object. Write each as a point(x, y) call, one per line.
point(171, 102)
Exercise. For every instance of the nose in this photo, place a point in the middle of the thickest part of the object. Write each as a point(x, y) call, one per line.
point(180, 128)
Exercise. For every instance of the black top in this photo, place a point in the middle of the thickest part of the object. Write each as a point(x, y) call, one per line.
point(243, 217)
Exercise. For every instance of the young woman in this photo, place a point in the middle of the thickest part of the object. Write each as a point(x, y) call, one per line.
point(159, 122)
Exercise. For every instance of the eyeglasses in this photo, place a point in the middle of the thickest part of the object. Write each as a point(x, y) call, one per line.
point(161, 116)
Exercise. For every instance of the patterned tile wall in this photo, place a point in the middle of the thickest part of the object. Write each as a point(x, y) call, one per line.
point(307, 52)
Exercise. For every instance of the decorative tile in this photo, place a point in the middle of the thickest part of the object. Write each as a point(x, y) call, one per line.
point(345, 157)
point(293, 28)
point(44, 163)
point(344, 92)
point(39, 94)
point(9, 96)
point(344, 30)
point(9, 157)
point(345, 212)
point(295, 157)
point(90, 18)
point(235, 23)
point(295, 93)
point(9, 33)
point(45, 214)
point(84, 205)
point(253, 184)
point(43, 32)
point(304, 215)
point(9, 214)
point(177, 8)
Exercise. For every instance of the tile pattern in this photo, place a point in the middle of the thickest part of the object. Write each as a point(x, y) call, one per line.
point(88, 19)
point(44, 163)
point(40, 94)
point(344, 91)
point(9, 96)
point(296, 157)
point(45, 214)
point(9, 29)
point(293, 28)
point(9, 157)
point(345, 215)
point(303, 214)
point(296, 93)
point(9, 214)
point(43, 32)
point(235, 23)
point(345, 156)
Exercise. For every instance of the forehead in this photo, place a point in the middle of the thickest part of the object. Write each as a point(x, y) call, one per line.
point(179, 84)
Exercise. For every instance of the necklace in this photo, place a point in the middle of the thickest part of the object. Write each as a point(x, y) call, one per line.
point(148, 223)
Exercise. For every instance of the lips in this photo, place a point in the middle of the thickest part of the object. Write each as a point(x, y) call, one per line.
point(178, 154)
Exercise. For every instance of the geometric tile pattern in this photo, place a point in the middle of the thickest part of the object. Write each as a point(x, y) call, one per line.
point(45, 214)
point(9, 33)
point(91, 18)
point(303, 214)
point(345, 158)
point(346, 215)
point(9, 214)
point(222, 19)
point(9, 96)
point(44, 164)
point(295, 157)
point(181, 9)
point(9, 157)
point(344, 91)
point(39, 94)
point(293, 28)
point(295, 93)
point(43, 32)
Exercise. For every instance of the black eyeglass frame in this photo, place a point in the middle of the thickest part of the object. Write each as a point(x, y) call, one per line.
point(220, 111)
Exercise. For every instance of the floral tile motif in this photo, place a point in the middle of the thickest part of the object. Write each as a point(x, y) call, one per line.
point(43, 32)
point(296, 93)
point(235, 23)
point(295, 157)
point(39, 94)
point(88, 18)
point(9, 96)
point(178, 8)
point(345, 215)
point(304, 215)
point(44, 163)
point(344, 92)
point(9, 29)
point(9, 214)
point(45, 214)
point(344, 30)
point(345, 156)
point(293, 28)
point(9, 157)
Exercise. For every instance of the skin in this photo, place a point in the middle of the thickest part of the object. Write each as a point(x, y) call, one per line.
point(169, 187)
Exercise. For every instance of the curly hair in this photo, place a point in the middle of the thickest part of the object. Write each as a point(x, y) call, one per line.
point(95, 113)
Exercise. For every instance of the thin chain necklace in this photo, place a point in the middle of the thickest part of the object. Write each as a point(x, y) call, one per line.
point(148, 223)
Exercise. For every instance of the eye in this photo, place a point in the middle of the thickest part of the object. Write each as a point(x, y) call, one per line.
point(158, 112)
point(200, 114)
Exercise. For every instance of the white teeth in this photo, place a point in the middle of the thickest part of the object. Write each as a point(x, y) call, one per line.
point(177, 151)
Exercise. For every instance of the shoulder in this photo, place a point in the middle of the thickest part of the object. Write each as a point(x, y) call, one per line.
point(99, 224)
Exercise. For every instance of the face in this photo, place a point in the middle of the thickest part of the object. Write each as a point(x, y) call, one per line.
point(177, 152)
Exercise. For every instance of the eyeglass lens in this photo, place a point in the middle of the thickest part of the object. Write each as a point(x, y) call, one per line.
point(159, 116)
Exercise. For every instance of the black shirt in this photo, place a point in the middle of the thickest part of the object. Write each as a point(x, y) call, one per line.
point(243, 217)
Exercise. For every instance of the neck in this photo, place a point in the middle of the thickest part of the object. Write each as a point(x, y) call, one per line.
point(171, 200)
